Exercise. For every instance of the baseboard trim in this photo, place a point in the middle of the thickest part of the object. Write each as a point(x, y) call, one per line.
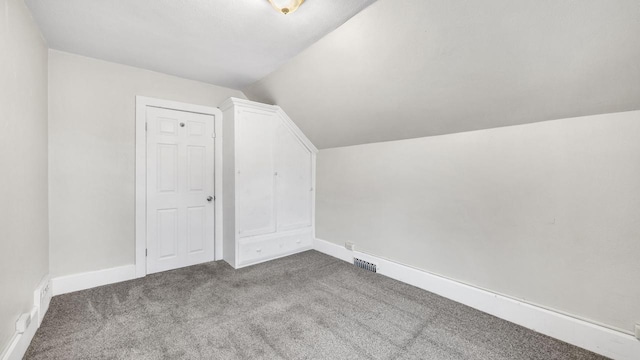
point(332, 249)
point(593, 337)
point(42, 297)
point(76, 282)
point(20, 342)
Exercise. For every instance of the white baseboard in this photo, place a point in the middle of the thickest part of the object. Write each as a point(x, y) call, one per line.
point(42, 297)
point(76, 282)
point(593, 337)
point(20, 342)
point(334, 250)
point(596, 338)
point(57, 286)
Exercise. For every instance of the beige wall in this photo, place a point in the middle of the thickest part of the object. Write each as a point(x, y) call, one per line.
point(24, 252)
point(92, 149)
point(548, 212)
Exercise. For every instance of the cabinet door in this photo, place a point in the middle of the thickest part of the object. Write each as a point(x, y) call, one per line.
point(294, 181)
point(255, 177)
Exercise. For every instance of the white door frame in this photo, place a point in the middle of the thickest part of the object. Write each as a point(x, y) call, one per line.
point(141, 173)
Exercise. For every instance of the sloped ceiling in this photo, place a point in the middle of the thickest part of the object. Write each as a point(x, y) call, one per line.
point(230, 43)
point(405, 69)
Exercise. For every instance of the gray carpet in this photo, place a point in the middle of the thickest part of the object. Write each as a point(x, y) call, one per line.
point(306, 306)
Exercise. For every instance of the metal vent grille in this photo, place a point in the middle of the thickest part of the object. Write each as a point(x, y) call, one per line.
point(365, 265)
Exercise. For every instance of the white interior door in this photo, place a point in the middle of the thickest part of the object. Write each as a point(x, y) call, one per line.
point(255, 207)
point(294, 181)
point(180, 189)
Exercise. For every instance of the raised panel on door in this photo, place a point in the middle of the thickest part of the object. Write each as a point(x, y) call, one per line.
point(196, 166)
point(196, 229)
point(255, 178)
point(167, 167)
point(294, 181)
point(167, 233)
point(180, 178)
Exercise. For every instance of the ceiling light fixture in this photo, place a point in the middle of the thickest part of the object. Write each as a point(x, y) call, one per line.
point(286, 6)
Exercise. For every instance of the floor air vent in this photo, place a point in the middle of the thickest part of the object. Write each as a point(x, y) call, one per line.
point(365, 265)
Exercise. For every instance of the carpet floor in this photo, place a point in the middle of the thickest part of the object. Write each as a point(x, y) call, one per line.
point(305, 306)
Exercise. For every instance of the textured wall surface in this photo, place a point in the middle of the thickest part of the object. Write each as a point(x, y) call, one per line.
point(92, 153)
point(407, 69)
point(545, 212)
point(24, 248)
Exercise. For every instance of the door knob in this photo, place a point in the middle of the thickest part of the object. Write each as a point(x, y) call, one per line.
point(210, 198)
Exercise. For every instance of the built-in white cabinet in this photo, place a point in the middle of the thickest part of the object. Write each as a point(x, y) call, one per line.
point(268, 182)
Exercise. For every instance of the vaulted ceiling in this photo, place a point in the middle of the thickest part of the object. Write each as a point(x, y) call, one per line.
point(405, 69)
point(230, 43)
point(397, 69)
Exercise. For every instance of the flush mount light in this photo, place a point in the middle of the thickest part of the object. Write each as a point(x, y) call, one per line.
point(286, 6)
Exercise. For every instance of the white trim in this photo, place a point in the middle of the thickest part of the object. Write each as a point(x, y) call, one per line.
point(296, 130)
point(593, 337)
point(76, 282)
point(232, 101)
point(42, 297)
point(332, 249)
point(57, 286)
point(141, 188)
point(275, 109)
point(141, 174)
point(20, 342)
point(314, 185)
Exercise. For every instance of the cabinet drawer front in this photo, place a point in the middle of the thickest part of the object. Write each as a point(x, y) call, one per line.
point(252, 251)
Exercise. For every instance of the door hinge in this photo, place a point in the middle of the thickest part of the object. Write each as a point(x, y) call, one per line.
point(145, 126)
point(146, 252)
